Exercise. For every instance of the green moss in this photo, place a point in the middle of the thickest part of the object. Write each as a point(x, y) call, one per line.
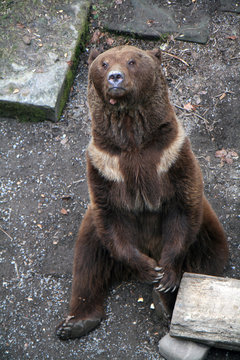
point(25, 112)
point(80, 46)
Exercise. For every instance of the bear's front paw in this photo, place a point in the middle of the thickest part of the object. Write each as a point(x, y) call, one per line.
point(159, 274)
point(151, 273)
point(169, 282)
point(72, 328)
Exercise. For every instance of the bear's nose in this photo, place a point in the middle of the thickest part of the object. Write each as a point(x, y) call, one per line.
point(115, 77)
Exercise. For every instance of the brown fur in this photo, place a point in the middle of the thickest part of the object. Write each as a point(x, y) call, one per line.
point(147, 204)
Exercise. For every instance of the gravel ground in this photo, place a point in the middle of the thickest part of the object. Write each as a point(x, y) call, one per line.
point(44, 196)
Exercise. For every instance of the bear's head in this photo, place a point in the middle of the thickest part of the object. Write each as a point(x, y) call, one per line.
point(124, 74)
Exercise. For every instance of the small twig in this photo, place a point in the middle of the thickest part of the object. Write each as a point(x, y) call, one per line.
point(16, 268)
point(179, 107)
point(200, 117)
point(6, 233)
point(194, 113)
point(176, 57)
point(224, 92)
point(205, 111)
point(75, 182)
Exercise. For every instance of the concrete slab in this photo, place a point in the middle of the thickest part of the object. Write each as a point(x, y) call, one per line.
point(39, 57)
point(188, 21)
point(178, 349)
point(230, 6)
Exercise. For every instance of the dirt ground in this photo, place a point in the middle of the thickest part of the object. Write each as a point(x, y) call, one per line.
point(44, 196)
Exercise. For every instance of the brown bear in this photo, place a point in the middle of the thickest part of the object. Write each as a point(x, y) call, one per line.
point(148, 216)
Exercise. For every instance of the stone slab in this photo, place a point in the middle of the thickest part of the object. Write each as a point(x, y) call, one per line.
point(230, 5)
point(207, 310)
point(177, 349)
point(39, 56)
point(146, 18)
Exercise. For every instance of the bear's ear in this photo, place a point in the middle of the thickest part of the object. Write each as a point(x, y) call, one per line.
point(93, 55)
point(156, 53)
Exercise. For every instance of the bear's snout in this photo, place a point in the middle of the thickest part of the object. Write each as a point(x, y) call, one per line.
point(115, 78)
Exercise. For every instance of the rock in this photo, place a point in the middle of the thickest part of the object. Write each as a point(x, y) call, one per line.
point(26, 39)
point(178, 349)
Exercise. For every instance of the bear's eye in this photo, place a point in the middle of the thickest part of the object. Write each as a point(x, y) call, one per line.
point(105, 65)
point(131, 62)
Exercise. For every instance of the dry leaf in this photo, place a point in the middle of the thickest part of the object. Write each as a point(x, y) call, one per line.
point(233, 154)
point(64, 211)
point(64, 141)
point(150, 22)
point(96, 36)
point(226, 156)
point(220, 153)
point(228, 159)
point(20, 26)
point(40, 226)
point(39, 70)
point(70, 63)
point(222, 96)
point(189, 107)
point(233, 37)
point(110, 41)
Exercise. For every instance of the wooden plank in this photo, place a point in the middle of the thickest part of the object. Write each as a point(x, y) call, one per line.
point(207, 310)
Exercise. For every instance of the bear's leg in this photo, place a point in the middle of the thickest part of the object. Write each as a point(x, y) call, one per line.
point(175, 243)
point(209, 254)
point(91, 277)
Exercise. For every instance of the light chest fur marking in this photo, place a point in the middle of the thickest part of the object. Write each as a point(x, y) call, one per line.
point(170, 154)
point(107, 165)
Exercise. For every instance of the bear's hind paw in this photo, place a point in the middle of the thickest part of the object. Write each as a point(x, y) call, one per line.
point(71, 329)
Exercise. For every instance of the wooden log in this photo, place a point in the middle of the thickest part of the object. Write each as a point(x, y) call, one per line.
point(207, 310)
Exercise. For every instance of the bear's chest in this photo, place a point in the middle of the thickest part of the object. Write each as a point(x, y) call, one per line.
point(134, 180)
point(142, 188)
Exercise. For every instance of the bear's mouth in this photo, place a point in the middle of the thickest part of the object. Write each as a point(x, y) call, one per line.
point(116, 91)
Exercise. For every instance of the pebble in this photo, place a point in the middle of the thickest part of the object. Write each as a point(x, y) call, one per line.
point(26, 39)
point(177, 349)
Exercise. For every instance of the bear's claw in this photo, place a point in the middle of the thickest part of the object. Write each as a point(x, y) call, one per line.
point(74, 329)
point(160, 274)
